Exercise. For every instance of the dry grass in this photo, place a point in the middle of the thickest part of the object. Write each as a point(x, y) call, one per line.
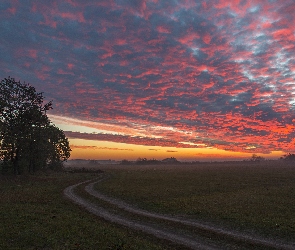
point(259, 197)
point(248, 196)
point(35, 215)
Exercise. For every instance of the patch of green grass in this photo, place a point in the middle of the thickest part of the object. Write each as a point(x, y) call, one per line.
point(258, 197)
point(35, 215)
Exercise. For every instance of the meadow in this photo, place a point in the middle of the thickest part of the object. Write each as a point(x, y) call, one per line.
point(36, 215)
point(246, 196)
point(254, 197)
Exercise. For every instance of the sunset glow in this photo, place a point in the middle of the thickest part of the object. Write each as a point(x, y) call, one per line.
point(195, 80)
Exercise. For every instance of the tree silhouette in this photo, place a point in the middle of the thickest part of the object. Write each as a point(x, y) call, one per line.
point(27, 138)
point(289, 157)
point(257, 158)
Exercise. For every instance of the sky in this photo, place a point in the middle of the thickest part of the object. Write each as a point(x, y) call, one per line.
point(195, 80)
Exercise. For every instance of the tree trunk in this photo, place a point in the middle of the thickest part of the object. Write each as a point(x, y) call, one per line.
point(15, 163)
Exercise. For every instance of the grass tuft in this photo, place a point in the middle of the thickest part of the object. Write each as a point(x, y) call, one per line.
point(256, 197)
point(35, 215)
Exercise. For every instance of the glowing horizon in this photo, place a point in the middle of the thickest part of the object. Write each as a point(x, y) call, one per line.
point(86, 147)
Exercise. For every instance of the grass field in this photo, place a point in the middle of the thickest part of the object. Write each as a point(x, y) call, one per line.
point(257, 197)
point(251, 197)
point(35, 215)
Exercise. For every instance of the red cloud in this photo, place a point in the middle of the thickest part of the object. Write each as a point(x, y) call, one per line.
point(73, 16)
point(99, 148)
point(163, 29)
point(159, 73)
point(283, 33)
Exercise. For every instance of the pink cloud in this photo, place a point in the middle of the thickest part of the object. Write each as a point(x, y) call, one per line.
point(219, 74)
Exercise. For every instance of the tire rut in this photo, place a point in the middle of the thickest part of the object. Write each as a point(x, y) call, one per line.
point(159, 233)
point(105, 214)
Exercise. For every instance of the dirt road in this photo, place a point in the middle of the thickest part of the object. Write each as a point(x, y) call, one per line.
point(189, 242)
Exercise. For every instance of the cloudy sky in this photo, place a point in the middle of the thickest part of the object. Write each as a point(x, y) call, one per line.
point(191, 79)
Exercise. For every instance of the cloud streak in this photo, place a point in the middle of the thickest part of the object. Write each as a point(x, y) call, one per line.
point(99, 148)
point(185, 74)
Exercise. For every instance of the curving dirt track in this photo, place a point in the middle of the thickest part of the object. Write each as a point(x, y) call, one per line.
point(188, 242)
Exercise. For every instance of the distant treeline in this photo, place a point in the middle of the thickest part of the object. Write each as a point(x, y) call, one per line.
point(288, 157)
point(172, 160)
point(145, 161)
